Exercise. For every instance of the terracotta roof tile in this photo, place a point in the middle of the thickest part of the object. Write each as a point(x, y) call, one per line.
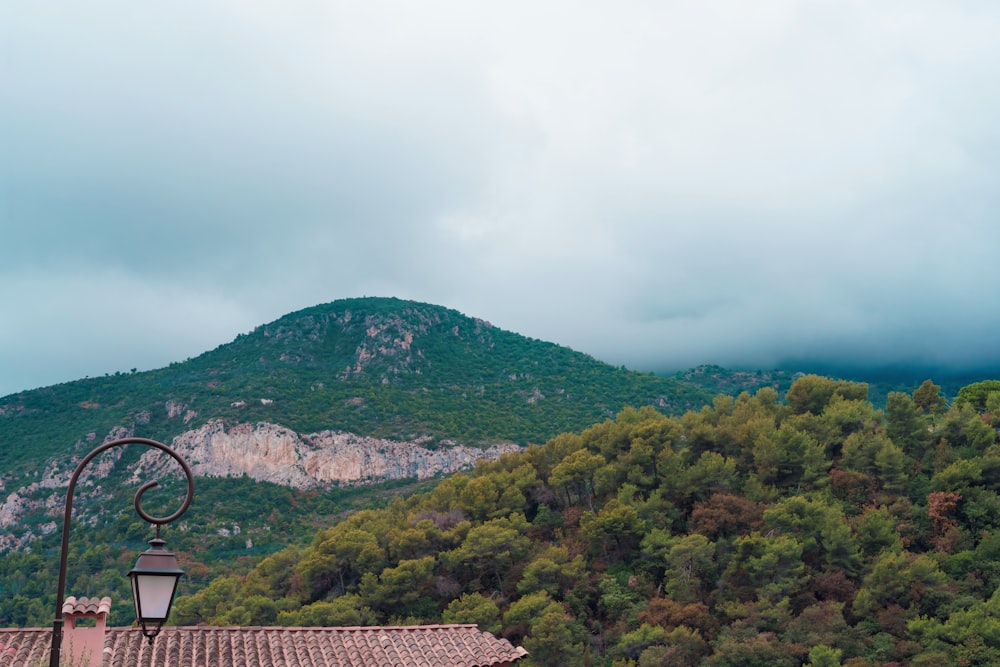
point(86, 606)
point(407, 646)
point(24, 647)
point(201, 646)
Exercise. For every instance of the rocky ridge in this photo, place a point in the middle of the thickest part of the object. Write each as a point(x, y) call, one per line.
point(272, 453)
point(262, 451)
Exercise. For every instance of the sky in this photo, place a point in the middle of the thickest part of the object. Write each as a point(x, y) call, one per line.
point(657, 184)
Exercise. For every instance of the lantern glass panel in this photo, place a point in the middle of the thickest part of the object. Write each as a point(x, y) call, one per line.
point(153, 595)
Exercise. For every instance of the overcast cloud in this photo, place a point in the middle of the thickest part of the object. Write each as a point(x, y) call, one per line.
point(658, 184)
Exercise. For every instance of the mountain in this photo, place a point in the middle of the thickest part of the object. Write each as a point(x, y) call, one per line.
point(286, 418)
point(377, 367)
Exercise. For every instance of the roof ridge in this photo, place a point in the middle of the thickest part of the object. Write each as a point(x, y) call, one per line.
point(86, 606)
point(307, 628)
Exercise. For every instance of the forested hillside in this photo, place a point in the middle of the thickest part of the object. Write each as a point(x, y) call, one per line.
point(369, 367)
point(373, 366)
point(570, 547)
point(814, 530)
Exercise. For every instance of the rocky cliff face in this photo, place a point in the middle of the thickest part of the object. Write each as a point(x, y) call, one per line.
point(262, 451)
point(272, 453)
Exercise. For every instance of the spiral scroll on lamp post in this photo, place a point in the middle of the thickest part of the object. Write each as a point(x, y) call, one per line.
point(155, 575)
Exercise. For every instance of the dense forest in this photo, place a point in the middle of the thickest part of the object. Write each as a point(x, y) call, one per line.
point(234, 524)
point(814, 530)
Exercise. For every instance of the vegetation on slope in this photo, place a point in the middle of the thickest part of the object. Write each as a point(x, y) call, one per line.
point(231, 526)
point(377, 367)
point(818, 531)
point(372, 366)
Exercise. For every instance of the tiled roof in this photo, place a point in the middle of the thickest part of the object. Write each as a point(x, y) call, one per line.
point(201, 646)
point(24, 647)
point(86, 606)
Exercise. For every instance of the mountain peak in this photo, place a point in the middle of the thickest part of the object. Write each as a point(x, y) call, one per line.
point(378, 339)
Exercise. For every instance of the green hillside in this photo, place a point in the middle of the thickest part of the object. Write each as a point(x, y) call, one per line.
point(373, 366)
point(635, 466)
point(817, 530)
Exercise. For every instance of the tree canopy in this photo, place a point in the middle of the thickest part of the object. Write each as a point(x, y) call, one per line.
point(818, 531)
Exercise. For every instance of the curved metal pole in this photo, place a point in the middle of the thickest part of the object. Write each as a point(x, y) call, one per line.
point(57, 624)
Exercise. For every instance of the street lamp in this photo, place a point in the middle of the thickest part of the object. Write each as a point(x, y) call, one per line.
point(154, 581)
point(155, 575)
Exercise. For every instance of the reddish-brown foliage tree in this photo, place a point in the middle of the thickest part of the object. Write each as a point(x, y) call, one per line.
point(941, 507)
point(725, 515)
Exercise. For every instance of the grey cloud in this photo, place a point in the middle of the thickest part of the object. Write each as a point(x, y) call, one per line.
point(658, 185)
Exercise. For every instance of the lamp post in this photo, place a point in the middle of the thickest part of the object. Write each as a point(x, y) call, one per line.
point(155, 575)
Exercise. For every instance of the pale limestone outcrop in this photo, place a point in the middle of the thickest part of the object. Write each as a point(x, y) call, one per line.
point(11, 510)
point(273, 453)
point(262, 451)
